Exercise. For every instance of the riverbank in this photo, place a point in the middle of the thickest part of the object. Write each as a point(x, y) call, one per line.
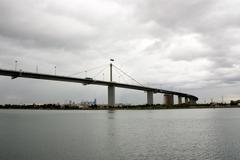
point(122, 107)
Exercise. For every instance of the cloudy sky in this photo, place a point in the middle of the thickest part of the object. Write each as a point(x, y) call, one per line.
point(190, 46)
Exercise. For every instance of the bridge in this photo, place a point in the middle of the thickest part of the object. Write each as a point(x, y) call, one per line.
point(168, 95)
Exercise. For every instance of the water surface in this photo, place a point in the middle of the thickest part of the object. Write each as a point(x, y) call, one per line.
point(120, 135)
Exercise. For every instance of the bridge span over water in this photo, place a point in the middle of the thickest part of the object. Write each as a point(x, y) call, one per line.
point(168, 95)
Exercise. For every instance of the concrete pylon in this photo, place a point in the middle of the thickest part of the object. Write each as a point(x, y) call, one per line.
point(111, 90)
point(111, 95)
point(192, 101)
point(149, 97)
point(179, 100)
point(186, 100)
point(168, 99)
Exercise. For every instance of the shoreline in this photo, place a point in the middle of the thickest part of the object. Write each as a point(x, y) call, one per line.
point(141, 107)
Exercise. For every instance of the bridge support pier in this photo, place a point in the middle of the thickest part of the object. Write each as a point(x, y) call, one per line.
point(192, 101)
point(168, 99)
point(186, 100)
point(179, 100)
point(149, 97)
point(111, 95)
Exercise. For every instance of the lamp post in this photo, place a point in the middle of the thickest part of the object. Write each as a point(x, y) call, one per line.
point(55, 70)
point(16, 65)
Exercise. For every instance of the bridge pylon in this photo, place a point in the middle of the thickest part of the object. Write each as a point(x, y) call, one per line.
point(111, 89)
point(111, 95)
point(192, 101)
point(186, 100)
point(168, 99)
point(149, 97)
point(179, 99)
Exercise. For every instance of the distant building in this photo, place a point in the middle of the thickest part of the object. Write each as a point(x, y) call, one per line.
point(89, 103)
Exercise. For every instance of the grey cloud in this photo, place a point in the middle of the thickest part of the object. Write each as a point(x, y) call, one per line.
point(174, 14)
point(185, 44)
point(32, 26)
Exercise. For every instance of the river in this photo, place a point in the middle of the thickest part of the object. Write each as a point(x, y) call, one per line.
point(120, 135)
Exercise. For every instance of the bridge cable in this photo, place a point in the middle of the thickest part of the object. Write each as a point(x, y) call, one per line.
point(91, 69)
point(121, 75)
point(128, 76)
point(100, 72)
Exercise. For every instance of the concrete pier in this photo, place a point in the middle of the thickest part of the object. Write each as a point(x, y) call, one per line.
point(168, 99)
point(186, 100)
point(192, 101)
point(111, 95)
point(149, 97)
point(179, 100)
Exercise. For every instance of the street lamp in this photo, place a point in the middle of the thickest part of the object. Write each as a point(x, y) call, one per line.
point(16, 65)
point(55, 70)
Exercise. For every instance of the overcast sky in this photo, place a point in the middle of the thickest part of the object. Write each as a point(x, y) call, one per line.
point(189, 46)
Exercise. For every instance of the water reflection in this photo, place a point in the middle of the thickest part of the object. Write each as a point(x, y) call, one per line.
point(111, 114)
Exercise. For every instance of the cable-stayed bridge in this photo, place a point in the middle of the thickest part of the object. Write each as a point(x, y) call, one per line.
point(168, 95)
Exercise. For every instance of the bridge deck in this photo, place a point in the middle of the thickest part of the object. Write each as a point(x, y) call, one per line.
point(16, 74)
